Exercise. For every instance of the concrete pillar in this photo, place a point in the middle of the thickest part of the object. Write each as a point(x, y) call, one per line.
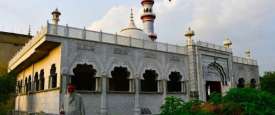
point(131, 85)
point(164, 84)
point(64, 80)
point(98, 84)
point(103, 107)
point(137, 90)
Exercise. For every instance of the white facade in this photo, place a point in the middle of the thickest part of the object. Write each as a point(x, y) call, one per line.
point(197, 65)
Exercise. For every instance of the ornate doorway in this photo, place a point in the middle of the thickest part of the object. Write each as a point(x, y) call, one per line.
point(215, 78)
point(211, 87)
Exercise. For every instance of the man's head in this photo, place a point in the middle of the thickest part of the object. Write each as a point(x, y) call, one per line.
point(71, 88)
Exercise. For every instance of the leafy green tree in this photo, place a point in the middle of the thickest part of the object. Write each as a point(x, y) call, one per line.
point(251, 101)
point(7, 89)
point(268, 82)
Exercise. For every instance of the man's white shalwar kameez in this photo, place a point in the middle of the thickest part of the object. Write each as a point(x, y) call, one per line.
point(73, 104)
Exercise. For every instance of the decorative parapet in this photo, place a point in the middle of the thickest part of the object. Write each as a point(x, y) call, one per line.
point(213, 46)
point(77, 33)
point(28, 45)
point(243, 60)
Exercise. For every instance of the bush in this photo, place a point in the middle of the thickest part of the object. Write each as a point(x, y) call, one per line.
point(238, 101)
point(176, 106)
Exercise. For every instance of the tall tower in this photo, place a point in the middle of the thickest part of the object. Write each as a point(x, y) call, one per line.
point(55, 17)
point(148, 18)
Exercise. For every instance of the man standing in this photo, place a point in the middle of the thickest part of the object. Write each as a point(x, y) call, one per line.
point(73, 103)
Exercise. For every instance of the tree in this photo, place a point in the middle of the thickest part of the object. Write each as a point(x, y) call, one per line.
point(7, 89)
point(268, 82)
point(250, 101)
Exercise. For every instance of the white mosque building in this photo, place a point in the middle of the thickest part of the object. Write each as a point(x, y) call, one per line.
point(128, 73)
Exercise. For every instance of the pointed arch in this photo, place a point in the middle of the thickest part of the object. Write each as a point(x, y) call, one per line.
point(150, 82)
point(119, 80)
point(36, 81)
point(84, 77)
point(220, 70)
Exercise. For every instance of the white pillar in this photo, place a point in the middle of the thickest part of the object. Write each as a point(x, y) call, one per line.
point(98, 84)
point(103, 107)
point(164, 82)
point(137, 89)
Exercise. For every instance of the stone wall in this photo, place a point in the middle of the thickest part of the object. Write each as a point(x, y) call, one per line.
point(245, 71)
point(47, 101)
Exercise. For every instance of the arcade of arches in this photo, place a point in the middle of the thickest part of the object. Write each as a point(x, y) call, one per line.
point(85, 80)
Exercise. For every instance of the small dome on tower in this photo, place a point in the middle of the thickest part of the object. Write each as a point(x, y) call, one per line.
point(132, 31)
point(227, 43)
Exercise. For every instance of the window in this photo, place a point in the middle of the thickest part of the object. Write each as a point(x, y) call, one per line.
point(36, 81)
point(146, 10)
point(20, 86)
point(241, 83)
point(26, 85)
point(149, 84)
point(174, 83)
point(119, 80)
point(84, 77)
point(42, 80)
point(29, 84)
point(17, 87)
point(253, 83)
point(53, 76)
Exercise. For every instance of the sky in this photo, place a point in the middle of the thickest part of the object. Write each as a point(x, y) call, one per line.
point(249, 24)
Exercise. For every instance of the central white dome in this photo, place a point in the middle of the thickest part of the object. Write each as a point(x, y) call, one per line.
point(132, 31)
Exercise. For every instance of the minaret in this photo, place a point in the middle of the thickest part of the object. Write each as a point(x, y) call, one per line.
point(55, 17)
point(148, 18)
point(192, 65)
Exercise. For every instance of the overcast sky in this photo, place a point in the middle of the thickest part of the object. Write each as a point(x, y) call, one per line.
point(250, 24)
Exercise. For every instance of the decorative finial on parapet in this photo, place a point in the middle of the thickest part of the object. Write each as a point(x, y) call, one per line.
point(55, 16)
point(248, 53)
point(29, 31)
point(189, 34)
point(227, 43)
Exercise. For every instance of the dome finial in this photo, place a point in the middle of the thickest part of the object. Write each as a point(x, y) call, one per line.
point(132, 15)
point(132, 22)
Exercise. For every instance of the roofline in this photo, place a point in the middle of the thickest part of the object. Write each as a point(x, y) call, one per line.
point(16, 34)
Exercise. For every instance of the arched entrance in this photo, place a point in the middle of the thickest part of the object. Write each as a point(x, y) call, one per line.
point(174, 83)
point(214, 77)
point(84, 77)
point(119, 80)
point(149, 83)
